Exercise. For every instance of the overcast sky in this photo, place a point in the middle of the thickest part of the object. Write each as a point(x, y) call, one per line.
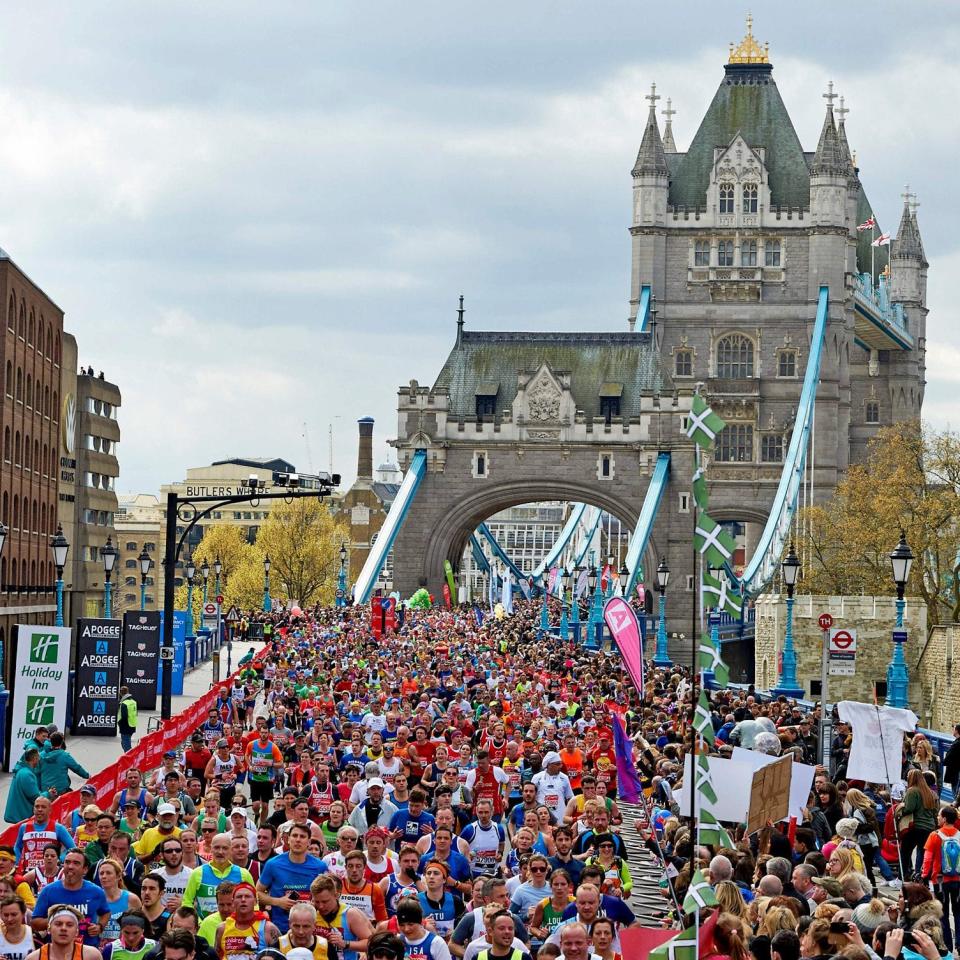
point(261, 215)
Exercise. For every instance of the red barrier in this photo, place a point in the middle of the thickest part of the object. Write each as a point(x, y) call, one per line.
point(146, 755)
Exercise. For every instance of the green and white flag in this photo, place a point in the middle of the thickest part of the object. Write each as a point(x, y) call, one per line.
point(711, 833)
point(681, 947)
point(710, 660)
point(718, 593)
point(704, 424)
point(699, 484)
point(702, 721)
point(713, 542)
point(699, 894)
point(704, 780)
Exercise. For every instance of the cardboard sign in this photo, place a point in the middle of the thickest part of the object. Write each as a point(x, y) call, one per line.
point(770, 794)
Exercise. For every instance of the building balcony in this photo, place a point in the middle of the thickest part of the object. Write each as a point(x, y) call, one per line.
point(880, 324)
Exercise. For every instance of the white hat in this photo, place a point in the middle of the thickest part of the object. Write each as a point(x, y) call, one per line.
point(551, 757)
point(373, 782)
point(299, 953)
point(165, 808)
point(239, 811)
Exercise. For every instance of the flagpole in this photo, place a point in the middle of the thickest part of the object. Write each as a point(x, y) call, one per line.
point(872, 249)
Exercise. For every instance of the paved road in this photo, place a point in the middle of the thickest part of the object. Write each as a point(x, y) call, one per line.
point(95, 753)
point(646, 900)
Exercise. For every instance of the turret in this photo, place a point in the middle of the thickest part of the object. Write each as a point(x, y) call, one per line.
point(651, 179)
point(908, 264)
point(829, 173)
point(668, 144)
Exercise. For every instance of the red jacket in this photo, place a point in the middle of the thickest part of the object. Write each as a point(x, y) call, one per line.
point(931, 855)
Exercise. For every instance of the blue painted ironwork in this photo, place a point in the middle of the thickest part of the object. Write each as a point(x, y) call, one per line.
point(765, 560)
point(643, 310)
point(499, 552)
point(648, 514)
point(363, 588)
point(107, 605)
point(190, 632)
point(560, 544)
point(874, 304)
point(564, 620)
point(59, 618)
point(787, 683)
point(898, 679)
point(595, 619)
point(661, 658)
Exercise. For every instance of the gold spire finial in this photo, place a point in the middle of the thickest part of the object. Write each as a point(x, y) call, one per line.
point(748, 50)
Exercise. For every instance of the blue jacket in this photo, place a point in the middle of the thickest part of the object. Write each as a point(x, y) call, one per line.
point(55, 767)
point(24, 789)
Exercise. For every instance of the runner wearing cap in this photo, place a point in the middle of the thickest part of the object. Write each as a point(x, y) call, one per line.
point(147, 847)
point(374, 810)
point(553, 786)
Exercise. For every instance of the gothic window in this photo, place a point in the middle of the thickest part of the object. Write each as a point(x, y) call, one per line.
point(734, 357)
point(12, 313)
point(726, 198)
point(19, 384)
point(750, 198)
point(683, 363)
point(873, 412)
point(748, 253)
point(701, 253)
point(725, 253)
point(609, 408)
point(787, 363)
point(735, 443)
point(29, 394)
point(8, 386)
point(481, 464)
point(771, 448)
point(772, 253)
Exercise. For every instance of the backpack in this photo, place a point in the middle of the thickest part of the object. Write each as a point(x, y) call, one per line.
point(949, 855)
point(854, 850)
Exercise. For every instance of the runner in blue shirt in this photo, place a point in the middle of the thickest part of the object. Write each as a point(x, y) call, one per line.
point(73, 891)
point(286, 878)
point(408, 826)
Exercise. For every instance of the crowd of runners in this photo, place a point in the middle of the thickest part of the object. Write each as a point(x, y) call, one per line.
point(452, 790)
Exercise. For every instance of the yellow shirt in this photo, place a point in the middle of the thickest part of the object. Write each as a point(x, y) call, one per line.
point(151, 839)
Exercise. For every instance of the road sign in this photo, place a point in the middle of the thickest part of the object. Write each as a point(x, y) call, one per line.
point(209, 609)
point(842, 650)
point(211, 615)
point(825, 621)
point(220, 599)
point(233, 615)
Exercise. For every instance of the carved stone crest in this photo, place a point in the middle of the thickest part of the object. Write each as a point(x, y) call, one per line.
point(543, 399)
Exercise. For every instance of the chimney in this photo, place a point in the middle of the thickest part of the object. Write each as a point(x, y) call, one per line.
point(365, 452)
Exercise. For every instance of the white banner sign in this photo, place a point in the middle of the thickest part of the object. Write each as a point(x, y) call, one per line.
point(40, 682)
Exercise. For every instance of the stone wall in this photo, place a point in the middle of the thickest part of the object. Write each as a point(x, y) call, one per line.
point(938, 676)
point(872, 617)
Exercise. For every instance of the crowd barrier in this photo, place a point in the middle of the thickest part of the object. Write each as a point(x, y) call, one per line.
point(146, 755)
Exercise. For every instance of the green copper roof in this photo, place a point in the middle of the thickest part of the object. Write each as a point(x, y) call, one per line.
point(593, 360)
point(747, 102)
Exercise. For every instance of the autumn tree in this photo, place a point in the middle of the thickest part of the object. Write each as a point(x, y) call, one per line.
point(909, 480)
point(303, 542)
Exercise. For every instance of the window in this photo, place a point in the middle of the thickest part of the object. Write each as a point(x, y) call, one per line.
point(735, 444)
point(481, 465)
point(771, 448)
point(873, 412)
point(149, 546)
point(605, 471)
point(8, 382)
point(130, 597)
point(19, 384)
point(725, 253)
point(771, 256)
point(609, 408)
point(131, 544)
point(748, 254)
point(726, 198)
point(750, 198)
point(684, 503)
point(683, 363)
point(485, 406)
point(734, 357)
point(787, 363)
point(130, 563)
point(701, 253)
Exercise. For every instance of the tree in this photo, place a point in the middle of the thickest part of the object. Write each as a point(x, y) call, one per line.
point(910, 480)
point(303, 542)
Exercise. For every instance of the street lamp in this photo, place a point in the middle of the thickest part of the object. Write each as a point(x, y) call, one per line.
point(60, 548)
point(901, 560)
point(342, 576)
point(205, 573)
point(191, 570)
point(109, 554)
point(662, 658)
point(611, 568)
point(564, 620)
point(266, 583)
point(575, 604)
point(787, 685)
point(145, 562)
point(217, 570)
point(624, 579)
point(595, 617)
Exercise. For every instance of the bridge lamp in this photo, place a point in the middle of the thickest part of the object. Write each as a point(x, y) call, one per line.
point(787, 683)
point(624, 576)
point(109, 555)
point(592, 579)
point(901, 560)
point(60, 548)
point(662, 658)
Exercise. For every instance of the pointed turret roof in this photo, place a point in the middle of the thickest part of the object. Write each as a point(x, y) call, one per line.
point(829, 159)
point(842, 112)
point(668, 145)
point(746, 102)
point(908, 244)
point(651, 158)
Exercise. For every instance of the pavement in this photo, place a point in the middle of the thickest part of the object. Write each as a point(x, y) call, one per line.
point(96, 753)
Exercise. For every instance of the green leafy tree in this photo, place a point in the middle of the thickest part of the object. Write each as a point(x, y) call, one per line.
point(303, 542)
point(910, 480)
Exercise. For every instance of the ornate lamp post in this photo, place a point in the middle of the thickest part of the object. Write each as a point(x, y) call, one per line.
point(545, 610)
point(901, 560)
point(787, 685)
point(266, 583)
point(624, 578)
point(205, 573)
point(191, 573)
point(60, 548)
point(564, 621)
point(575, 605)
point(217, 570)
point(342, 577)
point(145, 564)
point(661, 658)
point(595, 619)
point(108, 553)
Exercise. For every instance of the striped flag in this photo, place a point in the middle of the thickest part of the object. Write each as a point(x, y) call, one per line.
point(689, 943)
point(867, 224)
point(703, 424)
point(710, 660)
point(711, 833)
point(699, 894)
point(882, 241)
point(719, 594)
point(702, 721)
point(705, 779)
point(713, 542)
